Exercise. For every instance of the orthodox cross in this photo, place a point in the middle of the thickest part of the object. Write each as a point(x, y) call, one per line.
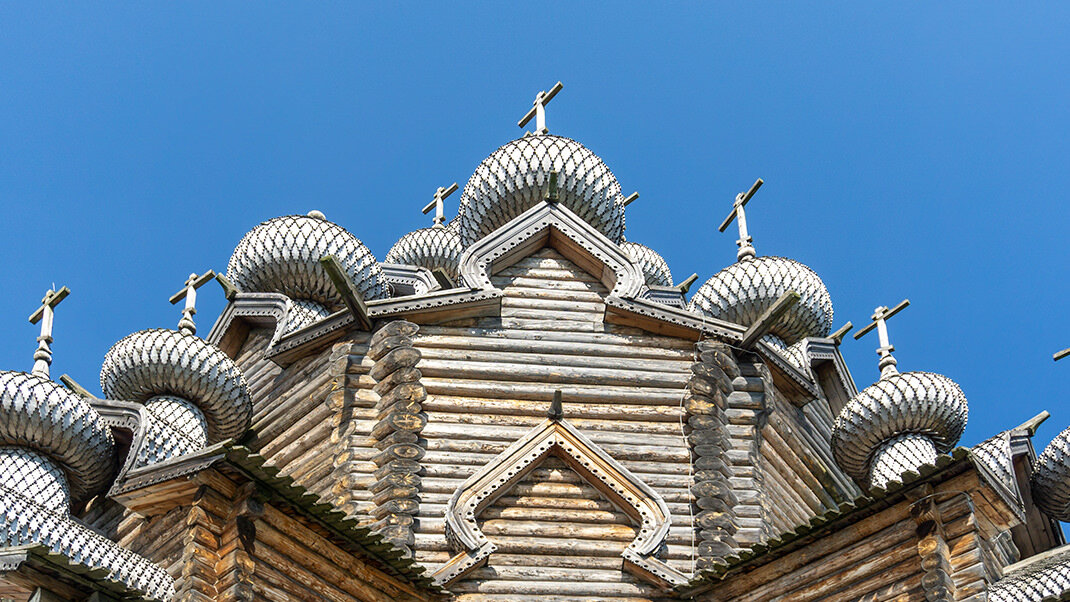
point(880, 317)
point(746, 250)
point(189, 293)
point(42, 358)
point(538, 111)
point(436, 204)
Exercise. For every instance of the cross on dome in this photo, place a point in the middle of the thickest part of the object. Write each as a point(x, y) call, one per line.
point(880, 317)
point(746, 249)
point(437, 205)
point(42, 358)
point(538, 111)
point(189, 293)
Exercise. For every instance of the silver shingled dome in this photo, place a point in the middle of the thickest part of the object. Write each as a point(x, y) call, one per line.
point(39, 415)
point(515, 177)
point(152, 363)
point(742, 291)
point(655, 270)
point(432, 248)
point(282, 255)
point(1051, 478)
point(900, 421)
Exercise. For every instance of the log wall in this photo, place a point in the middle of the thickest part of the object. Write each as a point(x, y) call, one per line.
point(930, 545)
point(488, 381)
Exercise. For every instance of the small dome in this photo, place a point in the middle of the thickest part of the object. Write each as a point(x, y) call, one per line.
point(892, 411)
point(157, 362)
point(514, 178)
point(655, 270)
point(432, 248)
point(1051, 478)
point(282, 255)
point(40, 415)
point(302, 313)
point(741, 292)
point(34, 477)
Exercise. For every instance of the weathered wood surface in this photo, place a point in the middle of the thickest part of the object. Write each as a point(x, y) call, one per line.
point(335, 422)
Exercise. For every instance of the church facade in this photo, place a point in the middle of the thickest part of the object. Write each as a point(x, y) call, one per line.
point(514, 404)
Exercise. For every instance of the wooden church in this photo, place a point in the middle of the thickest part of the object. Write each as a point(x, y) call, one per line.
point(516, 404)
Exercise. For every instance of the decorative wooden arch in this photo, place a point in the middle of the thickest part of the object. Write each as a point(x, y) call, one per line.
point(550, 223)
point(556, 436)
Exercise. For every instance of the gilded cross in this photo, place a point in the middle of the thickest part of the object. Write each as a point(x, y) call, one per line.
point(746, 249)
point(437, 205)
point(538, 111)
point(42, 358)
point(880, 317)
point(189, 293)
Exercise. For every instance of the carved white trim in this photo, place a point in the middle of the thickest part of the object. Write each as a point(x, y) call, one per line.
point(532, 230)
point(625, 490)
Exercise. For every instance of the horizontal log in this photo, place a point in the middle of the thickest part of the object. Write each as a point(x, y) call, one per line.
point(395, 328)
point(573, 358)
point(545, 375)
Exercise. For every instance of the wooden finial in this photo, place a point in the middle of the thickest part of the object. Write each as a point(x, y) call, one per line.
point(538, 111)
point(229, 289)
point(42, 358)
point(551, 187)
point(685, 286)
point(556, 411)
point(746, 249)
point(1030, 426)
point(189, 293)
point(73, 385)
point(437, 205)
point(769, 318)
point(350, 295)
point(841, 332)
point(880, 317)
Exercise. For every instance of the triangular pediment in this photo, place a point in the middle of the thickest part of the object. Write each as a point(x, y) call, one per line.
point(558, 438)
point(550, 224)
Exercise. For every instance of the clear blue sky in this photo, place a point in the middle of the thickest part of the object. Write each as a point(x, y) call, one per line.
point(916, 152)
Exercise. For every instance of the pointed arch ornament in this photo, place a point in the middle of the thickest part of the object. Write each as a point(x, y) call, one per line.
point(555, 436)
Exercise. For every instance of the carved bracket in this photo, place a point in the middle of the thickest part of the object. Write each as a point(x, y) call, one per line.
point(634, 497)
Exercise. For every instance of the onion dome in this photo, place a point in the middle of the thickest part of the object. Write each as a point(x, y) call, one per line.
point(193, 393)
point(433, 248)
point(515, 178)
point(655, 270)
point(55, 429)
point(282, 255)
point(741, 292)
point(1051, 478)
point(898, 424)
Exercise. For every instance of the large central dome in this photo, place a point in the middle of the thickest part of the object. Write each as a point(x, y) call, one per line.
point(515, 177)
